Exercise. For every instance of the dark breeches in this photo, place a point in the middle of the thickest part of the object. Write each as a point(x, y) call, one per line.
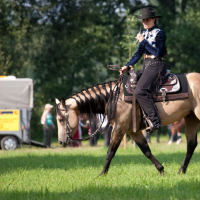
point(143, 91)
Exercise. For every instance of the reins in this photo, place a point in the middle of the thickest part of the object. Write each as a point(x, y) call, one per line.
point(66, 116)
point(67, 127)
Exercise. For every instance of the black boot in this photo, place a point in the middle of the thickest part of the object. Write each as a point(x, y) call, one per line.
point(152, 127)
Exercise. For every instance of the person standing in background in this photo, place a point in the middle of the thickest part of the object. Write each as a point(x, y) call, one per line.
point(78, 134)
point(48, 125)
point(94, 139)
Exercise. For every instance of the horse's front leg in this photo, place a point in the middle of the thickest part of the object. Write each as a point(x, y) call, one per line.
point(117, 136)
point(140, 140)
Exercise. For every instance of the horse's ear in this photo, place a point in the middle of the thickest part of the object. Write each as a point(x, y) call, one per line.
point(57, 101)
point(63, 102)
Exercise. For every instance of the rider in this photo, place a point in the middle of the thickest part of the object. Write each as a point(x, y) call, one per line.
point(152, 45)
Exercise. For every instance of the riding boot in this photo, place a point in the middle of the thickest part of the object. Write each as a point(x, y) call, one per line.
point(153, 126)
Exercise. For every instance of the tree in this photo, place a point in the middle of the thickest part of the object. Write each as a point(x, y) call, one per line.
point(129, 42)
point(78, 41)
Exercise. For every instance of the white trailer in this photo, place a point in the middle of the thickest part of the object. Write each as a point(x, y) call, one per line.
point(16, 105)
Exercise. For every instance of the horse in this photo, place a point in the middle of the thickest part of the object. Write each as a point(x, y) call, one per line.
point(109, 98)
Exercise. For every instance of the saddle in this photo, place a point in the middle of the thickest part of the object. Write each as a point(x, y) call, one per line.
point(169, 90)
point(174, 87)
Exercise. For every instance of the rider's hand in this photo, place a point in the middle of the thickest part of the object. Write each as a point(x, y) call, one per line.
point(140, 37)
point(123, 69)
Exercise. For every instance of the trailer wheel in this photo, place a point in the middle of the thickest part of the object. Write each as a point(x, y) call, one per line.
point(9, 143)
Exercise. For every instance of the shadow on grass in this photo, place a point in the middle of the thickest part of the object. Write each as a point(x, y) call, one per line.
point(181, 190)
point(66, 162)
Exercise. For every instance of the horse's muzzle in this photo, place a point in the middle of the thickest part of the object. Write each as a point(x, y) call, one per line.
point(62, 143)
point(67, 141)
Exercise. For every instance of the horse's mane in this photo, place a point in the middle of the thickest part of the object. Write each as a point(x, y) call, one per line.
point(88, 104)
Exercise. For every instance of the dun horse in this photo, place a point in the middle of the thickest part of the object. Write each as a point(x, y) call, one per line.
point(96, 99)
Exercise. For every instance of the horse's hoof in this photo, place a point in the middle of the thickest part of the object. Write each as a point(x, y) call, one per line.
point(160, 169)
point(162, 172)
point(102, 174)
point(180, 170)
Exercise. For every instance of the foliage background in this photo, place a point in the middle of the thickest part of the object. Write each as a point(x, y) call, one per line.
point(65, 45)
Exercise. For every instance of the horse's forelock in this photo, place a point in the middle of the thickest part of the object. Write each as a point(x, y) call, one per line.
point(63, 102)
point(57, 110)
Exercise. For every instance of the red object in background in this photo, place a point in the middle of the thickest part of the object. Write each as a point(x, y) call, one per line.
point(89, 130)
point(76, 136)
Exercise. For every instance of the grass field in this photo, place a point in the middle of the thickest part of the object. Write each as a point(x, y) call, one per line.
point(67, 173)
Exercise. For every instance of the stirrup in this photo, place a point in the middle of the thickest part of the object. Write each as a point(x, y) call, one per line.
point(153, 127)
point(150, 129)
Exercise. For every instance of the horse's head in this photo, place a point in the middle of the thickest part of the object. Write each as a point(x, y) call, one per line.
point(67, 120)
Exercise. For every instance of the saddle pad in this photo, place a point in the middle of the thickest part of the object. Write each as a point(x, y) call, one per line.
point(181, 94)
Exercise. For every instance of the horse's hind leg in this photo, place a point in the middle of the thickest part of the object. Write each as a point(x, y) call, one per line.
point(139, 138)
point(191, 126)
point(114, 144)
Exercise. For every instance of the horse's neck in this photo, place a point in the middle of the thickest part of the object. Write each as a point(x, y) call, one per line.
point(93, 99)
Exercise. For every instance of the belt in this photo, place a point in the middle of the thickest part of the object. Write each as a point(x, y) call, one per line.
point(151, 57)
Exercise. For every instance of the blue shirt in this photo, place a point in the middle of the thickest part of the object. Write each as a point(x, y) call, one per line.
point(146, 48)
point(49, 119)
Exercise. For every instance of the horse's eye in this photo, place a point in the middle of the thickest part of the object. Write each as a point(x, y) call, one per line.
point(61, 120)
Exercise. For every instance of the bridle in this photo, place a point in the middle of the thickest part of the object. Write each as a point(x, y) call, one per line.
point(65, 117)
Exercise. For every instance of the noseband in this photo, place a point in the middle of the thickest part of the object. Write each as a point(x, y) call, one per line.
point(65, 117)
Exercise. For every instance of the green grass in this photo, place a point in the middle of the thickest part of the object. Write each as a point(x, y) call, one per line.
point(72, 173)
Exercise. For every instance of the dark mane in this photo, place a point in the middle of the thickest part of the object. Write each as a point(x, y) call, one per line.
point(90, 104)
point(97, 105)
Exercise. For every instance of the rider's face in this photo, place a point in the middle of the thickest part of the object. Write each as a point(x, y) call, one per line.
point(148, 23)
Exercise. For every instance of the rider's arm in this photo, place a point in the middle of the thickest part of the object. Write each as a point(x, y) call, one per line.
point(160, 45)
point(137, 55)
